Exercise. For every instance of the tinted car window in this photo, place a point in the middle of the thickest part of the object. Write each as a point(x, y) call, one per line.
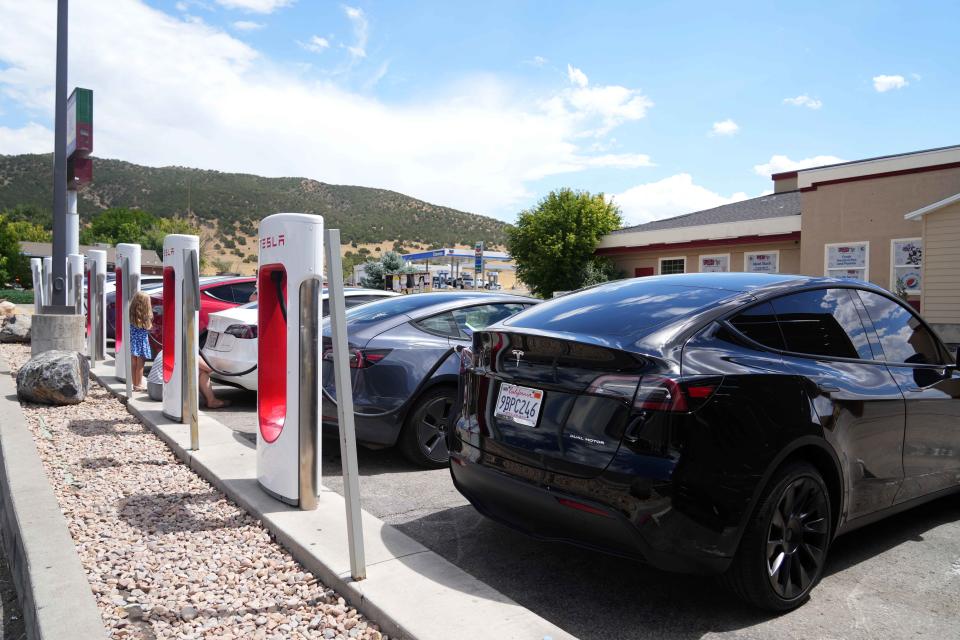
point(353, 301)
point(242, 291)
point(902, 335)
point(823, 322)
point(477, 318)
point(759, 323)
point(223, 292)
point(625, 309)
point(442, 324)
point(390, 307)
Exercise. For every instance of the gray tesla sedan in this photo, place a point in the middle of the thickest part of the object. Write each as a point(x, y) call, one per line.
point(404, 367)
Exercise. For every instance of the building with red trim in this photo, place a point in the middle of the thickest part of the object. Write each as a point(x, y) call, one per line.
point(893, 220)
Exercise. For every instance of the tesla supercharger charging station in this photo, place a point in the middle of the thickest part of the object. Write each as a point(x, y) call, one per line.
point(127, 283)
point(47, 281)
point(96, 304)
point(180, 318)
point(75, 282)
point(36, 269)
point(290, 280)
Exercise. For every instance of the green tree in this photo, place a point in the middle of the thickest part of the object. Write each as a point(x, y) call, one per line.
point(13, 264)
point(554, 242)
point(392, 263)
point(25, 231)
point(598, 270)
point(349, 261)
point(30, 213)
point(162, 227)
point(373, 275)
point(118, 225)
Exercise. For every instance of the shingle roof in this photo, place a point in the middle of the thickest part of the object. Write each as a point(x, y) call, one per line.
point(148, 257)
point(775, 205)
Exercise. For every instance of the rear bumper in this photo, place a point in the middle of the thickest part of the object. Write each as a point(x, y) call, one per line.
point(218, 361)
point(549, 514)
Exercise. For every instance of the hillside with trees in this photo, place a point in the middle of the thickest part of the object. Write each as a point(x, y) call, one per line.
point(231, 205)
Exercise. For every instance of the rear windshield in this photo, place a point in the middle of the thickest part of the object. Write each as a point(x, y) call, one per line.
point(625, 309)
point(388, 307)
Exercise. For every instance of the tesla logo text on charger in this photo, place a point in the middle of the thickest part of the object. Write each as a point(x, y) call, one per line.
point(271, 242)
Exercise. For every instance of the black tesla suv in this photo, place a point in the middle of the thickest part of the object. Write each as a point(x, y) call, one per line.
point(723, 423)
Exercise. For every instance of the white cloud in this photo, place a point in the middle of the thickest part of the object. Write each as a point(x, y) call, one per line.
point(316, 44)
point(779, 164)
point(804, 101)
point(725, 128)
point(537, 61)
point(31, 138)
point(218, 103)
point(255, 6)
point(577, 76)
point(669, 197)
point(247, 25)
point(886, 83)
point(611, 105)
point(361, 30)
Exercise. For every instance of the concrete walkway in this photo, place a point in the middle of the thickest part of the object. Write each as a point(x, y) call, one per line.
point(410, 591)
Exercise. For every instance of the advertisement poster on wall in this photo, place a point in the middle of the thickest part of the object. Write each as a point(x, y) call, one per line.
point(907, 262)
point(847, 260)
point(762, 262)
point(712, 264)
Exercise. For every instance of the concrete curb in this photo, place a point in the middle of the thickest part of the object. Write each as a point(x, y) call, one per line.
point(410, 591)
point(54, 592)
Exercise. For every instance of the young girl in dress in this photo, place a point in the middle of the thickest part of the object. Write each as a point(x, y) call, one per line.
point(141, 321)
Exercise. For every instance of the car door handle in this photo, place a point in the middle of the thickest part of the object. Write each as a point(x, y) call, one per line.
point(828, 388)
point(915, 389)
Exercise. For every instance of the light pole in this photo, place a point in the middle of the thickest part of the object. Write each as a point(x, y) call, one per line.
point(60, 163)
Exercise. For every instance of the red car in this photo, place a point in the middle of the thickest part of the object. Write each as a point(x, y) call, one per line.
point(216, 294)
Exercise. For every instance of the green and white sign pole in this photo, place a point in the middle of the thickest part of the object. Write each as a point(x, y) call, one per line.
point(79, 165)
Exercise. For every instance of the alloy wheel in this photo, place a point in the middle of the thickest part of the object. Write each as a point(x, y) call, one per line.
point(432, 424)
point(797, 538)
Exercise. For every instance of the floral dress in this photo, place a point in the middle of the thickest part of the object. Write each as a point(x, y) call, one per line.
point(140, 343)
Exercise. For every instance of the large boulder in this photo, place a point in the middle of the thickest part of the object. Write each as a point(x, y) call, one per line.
point(15, 328)
point(54, 377)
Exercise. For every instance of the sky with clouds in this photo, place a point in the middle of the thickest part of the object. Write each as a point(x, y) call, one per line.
point(667, 107)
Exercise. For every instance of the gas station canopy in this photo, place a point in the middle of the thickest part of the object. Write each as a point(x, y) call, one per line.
point(459, 255)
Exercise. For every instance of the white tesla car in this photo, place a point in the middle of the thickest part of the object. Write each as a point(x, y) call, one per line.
point(231, 344)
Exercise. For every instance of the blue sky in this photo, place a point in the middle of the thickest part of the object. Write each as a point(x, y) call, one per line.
point(667, 107)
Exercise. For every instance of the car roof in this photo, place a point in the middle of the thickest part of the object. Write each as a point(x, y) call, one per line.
point(438, 302)
point(756, 284)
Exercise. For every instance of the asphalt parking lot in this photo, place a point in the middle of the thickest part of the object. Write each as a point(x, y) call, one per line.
point(899, 578)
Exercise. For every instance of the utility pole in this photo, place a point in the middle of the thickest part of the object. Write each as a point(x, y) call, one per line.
point(60, 163)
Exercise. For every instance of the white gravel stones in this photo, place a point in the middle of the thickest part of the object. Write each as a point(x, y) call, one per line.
point(166, 554)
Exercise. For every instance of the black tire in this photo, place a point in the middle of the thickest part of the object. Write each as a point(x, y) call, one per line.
point(423, 438)
point(784, 548)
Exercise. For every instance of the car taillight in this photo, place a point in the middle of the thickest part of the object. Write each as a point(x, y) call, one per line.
point(242, 331)
point(655, 393)
point(361, 358)
point(659, 393)
point(622, 387)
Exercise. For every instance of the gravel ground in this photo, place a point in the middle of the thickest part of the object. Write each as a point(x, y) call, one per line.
point(166, 554)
